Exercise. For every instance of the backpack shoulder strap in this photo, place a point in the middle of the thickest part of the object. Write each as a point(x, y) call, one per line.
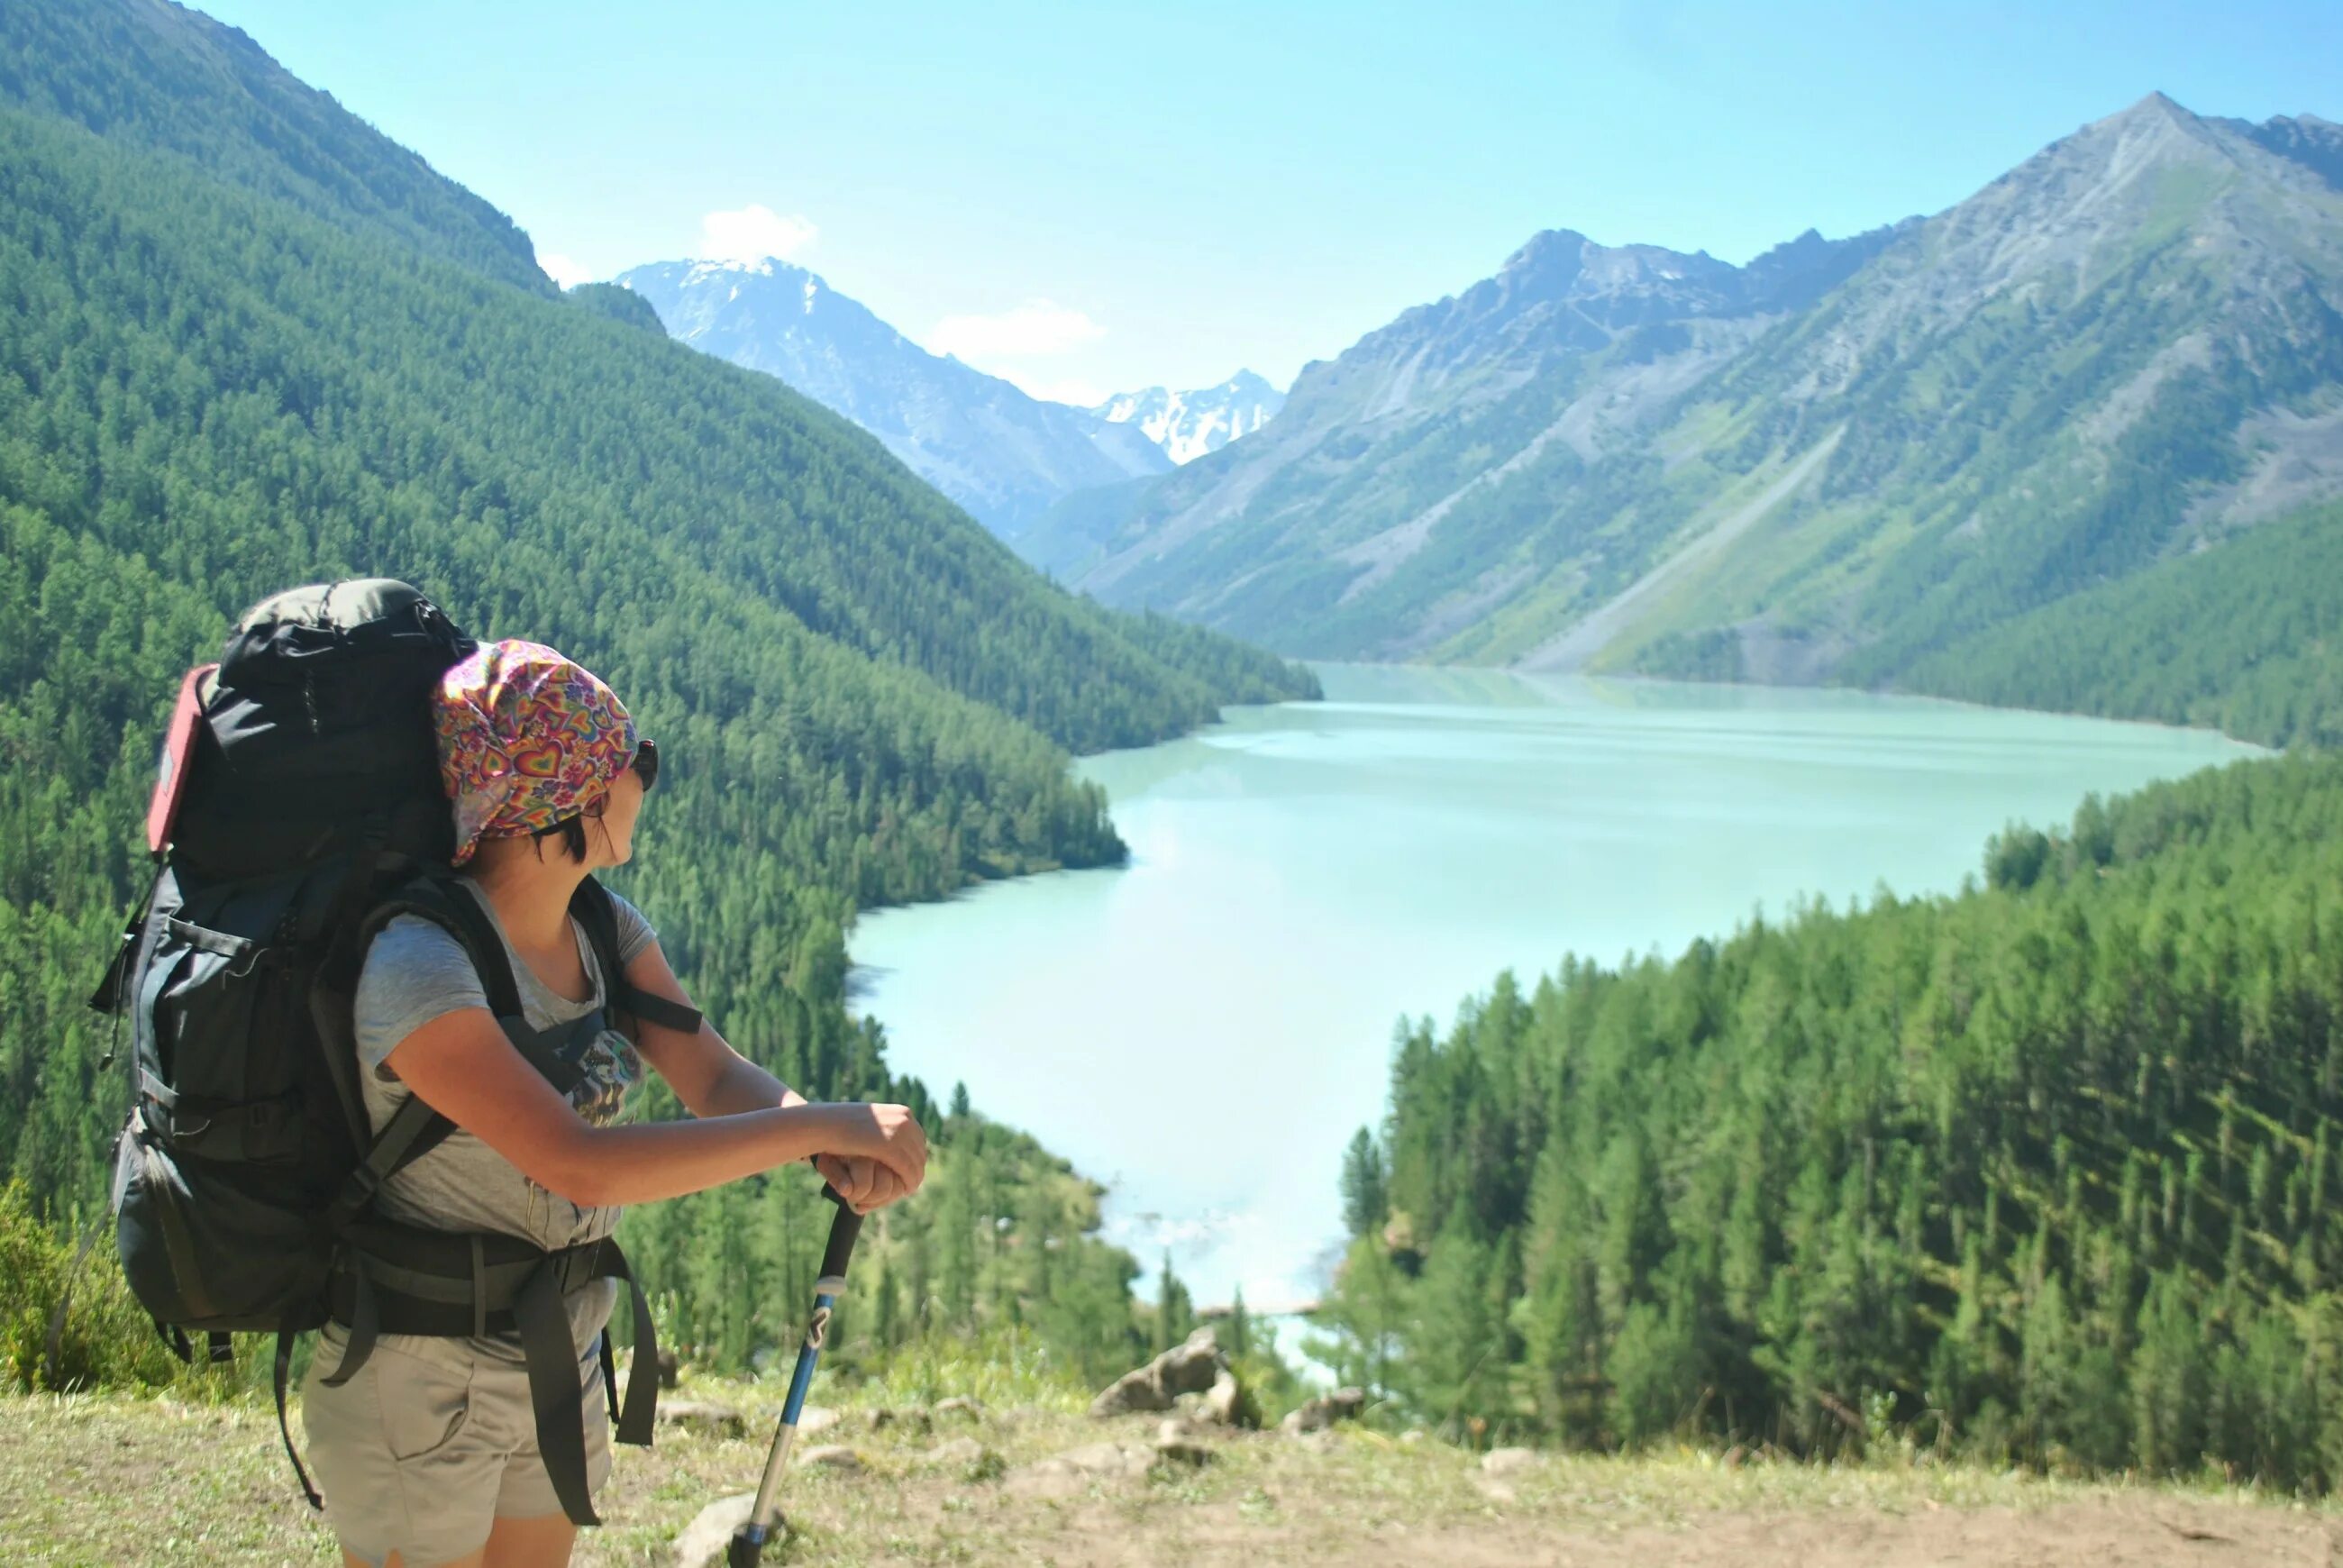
point(416, 1129)
point(592, 907)
point(456, 912)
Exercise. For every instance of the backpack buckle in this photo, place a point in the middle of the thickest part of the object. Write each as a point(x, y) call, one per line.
point(575, 1267)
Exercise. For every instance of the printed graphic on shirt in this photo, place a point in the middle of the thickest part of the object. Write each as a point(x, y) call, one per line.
point(612, 1067)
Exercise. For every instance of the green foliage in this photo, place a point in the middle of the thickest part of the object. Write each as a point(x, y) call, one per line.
point(619, 303)
point(1364, 1204)
point(1455, 1366)
point(245, 342)
point(155, 75)
point(1001, 1247)
point(1004, 1370)
point(2041, 1172)
point(103, 1340)
point(1361, 1324)
point(1175, 1309)
point(2245, 637)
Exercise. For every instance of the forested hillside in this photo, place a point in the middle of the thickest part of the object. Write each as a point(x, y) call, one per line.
point(221, 373)
point(160, 77)
point(2042, 1172)
point(2247, 640)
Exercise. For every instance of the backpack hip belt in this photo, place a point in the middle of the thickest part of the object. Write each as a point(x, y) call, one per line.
point(404, 1280)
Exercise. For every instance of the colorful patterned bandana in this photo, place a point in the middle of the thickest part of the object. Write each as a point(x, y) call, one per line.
point(526, 740)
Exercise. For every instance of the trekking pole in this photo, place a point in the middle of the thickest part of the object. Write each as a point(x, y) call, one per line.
point(748, 1545)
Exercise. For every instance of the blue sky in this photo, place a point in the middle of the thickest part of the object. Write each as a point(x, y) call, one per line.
point(1091, 199)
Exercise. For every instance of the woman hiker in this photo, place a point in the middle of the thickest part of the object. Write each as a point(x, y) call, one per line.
point(428, 1455)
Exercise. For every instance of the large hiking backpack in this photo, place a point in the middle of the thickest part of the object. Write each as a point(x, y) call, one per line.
point(300, 810)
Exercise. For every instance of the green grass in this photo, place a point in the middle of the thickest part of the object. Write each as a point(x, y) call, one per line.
point(108, 1479)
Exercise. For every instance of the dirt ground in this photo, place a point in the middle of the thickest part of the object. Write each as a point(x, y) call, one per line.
point(119, 1481)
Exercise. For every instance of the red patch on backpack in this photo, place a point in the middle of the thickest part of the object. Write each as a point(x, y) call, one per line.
point(178, 748)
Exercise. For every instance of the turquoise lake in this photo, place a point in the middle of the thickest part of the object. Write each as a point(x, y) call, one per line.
point(1204, 1028)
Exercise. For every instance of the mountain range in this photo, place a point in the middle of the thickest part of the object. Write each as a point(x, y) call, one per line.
point(1861, 459)
point(1004, 456)
point(1188, 425)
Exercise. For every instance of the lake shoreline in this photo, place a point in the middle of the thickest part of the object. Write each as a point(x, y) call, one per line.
point(1304, 875)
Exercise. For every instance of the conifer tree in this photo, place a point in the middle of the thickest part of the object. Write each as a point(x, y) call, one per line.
point(1363, 1201)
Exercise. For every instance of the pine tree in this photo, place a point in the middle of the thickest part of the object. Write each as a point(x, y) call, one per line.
point(1365, 1203)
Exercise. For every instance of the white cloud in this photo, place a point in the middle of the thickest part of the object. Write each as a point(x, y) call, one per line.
point(562, 270)
point(752, 233)
point(1034, 327)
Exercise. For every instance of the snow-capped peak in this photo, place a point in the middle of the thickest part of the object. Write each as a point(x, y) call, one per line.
point(1187, 425)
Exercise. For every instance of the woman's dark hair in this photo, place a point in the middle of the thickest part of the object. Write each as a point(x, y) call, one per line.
point(571, 830)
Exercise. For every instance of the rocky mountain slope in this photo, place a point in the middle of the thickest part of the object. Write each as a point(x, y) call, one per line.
point(1851, 459)
point(1002, 455)
point(1188, 425)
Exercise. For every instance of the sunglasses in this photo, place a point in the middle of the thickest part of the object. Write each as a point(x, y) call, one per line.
point(646, 763)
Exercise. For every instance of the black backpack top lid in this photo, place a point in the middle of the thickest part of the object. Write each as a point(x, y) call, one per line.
point(317, 732)
point(283, 636)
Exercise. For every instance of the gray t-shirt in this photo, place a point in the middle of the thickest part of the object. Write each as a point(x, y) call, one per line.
point(415, 973)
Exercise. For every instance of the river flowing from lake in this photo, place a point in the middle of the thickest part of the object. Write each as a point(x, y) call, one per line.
point(1204, 1028)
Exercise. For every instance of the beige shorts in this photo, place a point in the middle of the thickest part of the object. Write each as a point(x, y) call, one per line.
point(422, 1456)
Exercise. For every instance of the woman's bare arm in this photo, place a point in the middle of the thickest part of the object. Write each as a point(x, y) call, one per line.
point(712, 1078)
point(707, 1074)
point(463, 1067)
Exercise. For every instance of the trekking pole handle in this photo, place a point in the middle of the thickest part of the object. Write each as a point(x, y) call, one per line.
point(845, 1229)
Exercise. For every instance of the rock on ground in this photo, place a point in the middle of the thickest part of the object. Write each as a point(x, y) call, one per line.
point(1193, 1367)
point(1106, 1459)
point(1223, 1399)
point(704, 1540)
point(1065, 1474)
point(829, 1456)
point(956, 1450)
point(1502, 1461)
point(1318, 1414)
point(959, 1405)
point(1174, 1446)
point(703, 1416)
